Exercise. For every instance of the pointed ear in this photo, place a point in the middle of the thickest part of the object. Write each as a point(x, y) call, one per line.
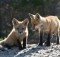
point(25, 22)
point(37, 16)
point(31, 15)
point(14, 21)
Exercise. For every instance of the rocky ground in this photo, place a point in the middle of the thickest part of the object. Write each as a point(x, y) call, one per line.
point(33, 50)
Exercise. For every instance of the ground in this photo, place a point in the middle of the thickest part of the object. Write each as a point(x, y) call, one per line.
point(33, 50)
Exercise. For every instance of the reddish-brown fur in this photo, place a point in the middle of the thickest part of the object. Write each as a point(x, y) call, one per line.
point(18, 33)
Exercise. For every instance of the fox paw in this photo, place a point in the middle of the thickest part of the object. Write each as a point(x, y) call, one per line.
point(2, 48)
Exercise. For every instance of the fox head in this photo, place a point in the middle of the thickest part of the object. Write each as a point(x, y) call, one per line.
point(20, 26)
point(35, 20)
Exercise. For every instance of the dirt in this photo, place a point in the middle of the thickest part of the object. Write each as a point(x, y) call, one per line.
point(32, 50)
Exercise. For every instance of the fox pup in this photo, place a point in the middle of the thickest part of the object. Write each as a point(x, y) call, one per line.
point(18, 34)
point(49, 25)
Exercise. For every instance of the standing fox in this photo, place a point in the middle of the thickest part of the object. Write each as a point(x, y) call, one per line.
point(18, 34)
point(49, 24)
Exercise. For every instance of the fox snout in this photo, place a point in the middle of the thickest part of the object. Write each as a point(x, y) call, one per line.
point(34, 29)
point(20, 32)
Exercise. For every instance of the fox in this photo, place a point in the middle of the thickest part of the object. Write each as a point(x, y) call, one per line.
point(48, 24)
point(18, 34)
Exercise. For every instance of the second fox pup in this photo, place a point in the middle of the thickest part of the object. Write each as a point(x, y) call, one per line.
point(18, 34)
point(49, 25)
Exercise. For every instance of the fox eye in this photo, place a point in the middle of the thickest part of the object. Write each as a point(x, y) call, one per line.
point(41, 25)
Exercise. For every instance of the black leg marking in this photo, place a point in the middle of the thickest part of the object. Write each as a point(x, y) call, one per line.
point(19, 44)
point(48, 40)
point(41, 40)
point(57, 39)
point(24, 43)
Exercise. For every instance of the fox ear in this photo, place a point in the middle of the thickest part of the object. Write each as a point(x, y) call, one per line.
point(25, 22)
point(31, 15)
point(37, 15)
point(14, 21)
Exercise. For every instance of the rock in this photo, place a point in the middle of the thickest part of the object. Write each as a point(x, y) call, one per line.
point(33, 51)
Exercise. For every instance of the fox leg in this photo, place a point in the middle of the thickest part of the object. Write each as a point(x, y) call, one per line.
point(24, 42)
point(19, 44)
point(57, 42)
point(57, 39)
point(41, 40)
point(48, 39)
